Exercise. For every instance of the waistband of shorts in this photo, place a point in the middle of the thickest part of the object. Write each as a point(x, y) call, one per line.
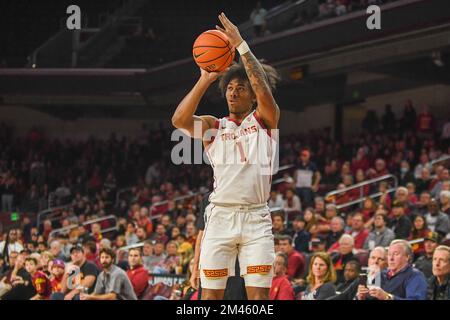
point(243, 207)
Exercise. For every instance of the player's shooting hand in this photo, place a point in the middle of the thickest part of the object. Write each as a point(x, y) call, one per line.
point(210, 76)
point(231, 31)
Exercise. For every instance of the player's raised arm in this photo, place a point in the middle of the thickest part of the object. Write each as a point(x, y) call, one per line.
point(267, 108)
point(184, 116)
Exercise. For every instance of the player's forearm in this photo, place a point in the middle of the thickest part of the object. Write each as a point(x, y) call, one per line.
point(187, 107)
point(256, 75)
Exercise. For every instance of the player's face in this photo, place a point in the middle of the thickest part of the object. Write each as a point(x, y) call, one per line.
point(240, 97)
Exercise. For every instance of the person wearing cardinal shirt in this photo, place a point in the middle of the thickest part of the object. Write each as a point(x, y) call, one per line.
point(296, 260)
point(281, 287)
point(39, 280)
point(137, 274)
point(57, 274)
point(425, 124)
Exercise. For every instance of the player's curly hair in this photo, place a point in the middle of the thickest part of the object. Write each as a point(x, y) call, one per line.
point(237, 70)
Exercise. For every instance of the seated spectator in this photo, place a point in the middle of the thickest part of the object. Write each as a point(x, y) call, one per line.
point(275, 200)
point(400, 224)
point(424, 162)
point(191, 233)
point(113, 283)
point(358, 232)
point(343, 256)
point(381, 235)
point(171, 261)
point(130, 235)
point(437, 221)
point(137, 275)
point(425, 262)
point(337, 225)
point(377, 263)
point(57, 274)
point(406, 175)
point(311, 221)
point(445, 202)
point(141, 234)
point(301, 237)
point(160, 234)
point(11, 243)
point(281, 287)
point(412, 196)
point(424, 182)
point(421, 206)
point(154, 259)
point(296, 260)
point(323, 226)
point(278, 226)
point(85, 280)
point(56, 249)
point(439, 283)
point(291, 202)
point(442, 178)
point(39, 279)
point(351, 276)
point(419, 231)
point(90, 253)
point(369, 208)
point(144, 221)
point(321, 276)
point(19, 285)
point(400, 281)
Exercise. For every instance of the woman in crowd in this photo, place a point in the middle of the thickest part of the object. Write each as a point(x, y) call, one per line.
point(321, 278)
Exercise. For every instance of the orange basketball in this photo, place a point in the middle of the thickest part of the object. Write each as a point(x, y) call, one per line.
point(212, 51)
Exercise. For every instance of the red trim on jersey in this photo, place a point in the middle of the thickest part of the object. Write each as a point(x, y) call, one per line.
point(258, 119)
point(234, 120)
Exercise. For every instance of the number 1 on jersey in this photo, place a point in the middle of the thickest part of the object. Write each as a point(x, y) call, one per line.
point(241, 151)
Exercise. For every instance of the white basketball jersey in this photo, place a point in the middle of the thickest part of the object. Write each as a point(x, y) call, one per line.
point(242, 156)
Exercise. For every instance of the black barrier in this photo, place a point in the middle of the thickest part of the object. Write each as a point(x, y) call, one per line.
point(167, 279)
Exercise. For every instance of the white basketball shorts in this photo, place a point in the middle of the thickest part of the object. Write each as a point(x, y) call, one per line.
point(238, 231)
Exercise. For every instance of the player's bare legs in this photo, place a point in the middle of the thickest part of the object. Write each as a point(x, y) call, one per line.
point(256, 293)
point(213, 294)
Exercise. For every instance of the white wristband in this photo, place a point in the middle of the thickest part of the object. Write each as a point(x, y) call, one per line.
point(243, 48)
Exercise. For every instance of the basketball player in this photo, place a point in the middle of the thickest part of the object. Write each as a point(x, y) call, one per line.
point(238, 221)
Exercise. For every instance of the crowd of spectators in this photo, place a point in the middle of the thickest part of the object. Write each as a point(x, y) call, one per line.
point(323, 246)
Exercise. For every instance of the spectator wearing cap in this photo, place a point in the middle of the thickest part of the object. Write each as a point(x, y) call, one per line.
point(57, 274)
point(380, 236)
point(301, 237)
point(113, 283)
point(281, 287)
point(337, 225)
point(439, 282)
point(84, 281)
point(445, 201)
point(307, 178)
point(437, 221)
point(400, 281)
point(296, 260)
point(137, 274)
point(425, 262)
point(400, 224)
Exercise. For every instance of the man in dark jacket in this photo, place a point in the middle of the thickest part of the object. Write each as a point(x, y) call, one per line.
point(401, 225)
point(439, 283)
point(424, 263)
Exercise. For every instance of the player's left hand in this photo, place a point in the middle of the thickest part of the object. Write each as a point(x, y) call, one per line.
point(231, 31)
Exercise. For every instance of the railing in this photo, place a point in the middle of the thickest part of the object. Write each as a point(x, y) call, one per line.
point(439, 160)
point(282, 168)
point(56, 211)
point(360, 186)
point(89, 222)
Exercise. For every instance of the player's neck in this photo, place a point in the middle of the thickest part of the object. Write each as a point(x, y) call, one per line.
point(239, 116)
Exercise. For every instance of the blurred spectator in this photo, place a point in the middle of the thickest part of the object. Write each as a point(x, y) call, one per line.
point(439, 283)
point(291, 202)
point(337, 225)
point(311, 222)
point(171, 261)
point(381, 235)
point(425, 125)
point(321, 276)
point(370, 122)
point(424, 263)
point(296, 260)
point(275, 200)
point(388, 120)
point(445, 202)
point(57, 274)
point(437, 221)
point(423, 163)
point(301, 237)
point(112, 283)
point(39, 279)
point(281, 287)
point(400, 224)
point(137, 274)
point(307, 178)
point(377, 263)
point(405, 174)
point(278, 226)
point(409, 116)
point(343, 256)
point(10, 244)
point(421, 206)
point(419, 230)
point(258, 19)
point(351, 276)
point(442, 178)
